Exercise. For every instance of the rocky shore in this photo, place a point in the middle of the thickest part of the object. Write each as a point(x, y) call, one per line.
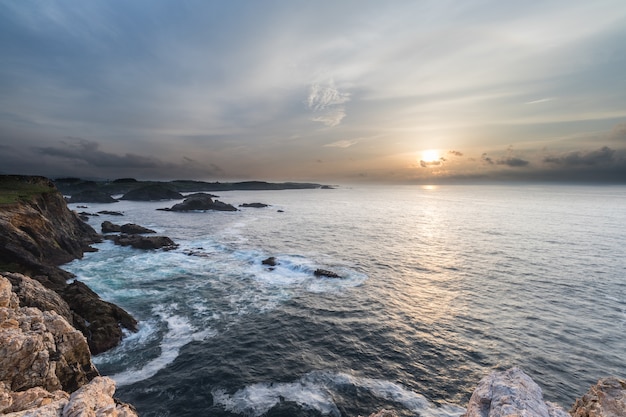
point(49, 329)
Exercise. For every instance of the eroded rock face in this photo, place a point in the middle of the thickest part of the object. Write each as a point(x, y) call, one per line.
point(605, 399)
point(92, 400)
point(510, 393)
point(40, 349)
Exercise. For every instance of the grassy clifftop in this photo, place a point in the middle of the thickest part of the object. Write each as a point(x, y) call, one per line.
point(14, 188)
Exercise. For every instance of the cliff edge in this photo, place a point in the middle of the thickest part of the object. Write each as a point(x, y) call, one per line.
point(37, 233)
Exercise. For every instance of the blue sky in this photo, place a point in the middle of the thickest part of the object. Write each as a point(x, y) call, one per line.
point(340, 91)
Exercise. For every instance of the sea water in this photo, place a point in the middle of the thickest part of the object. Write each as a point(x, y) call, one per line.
point(439, 286)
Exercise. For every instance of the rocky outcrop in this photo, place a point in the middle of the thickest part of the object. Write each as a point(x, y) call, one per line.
point(153, 192)
point(40, 348)
point(605, 399)
point(510, 393)
point(37, 233)
point(91, 196)
point(128, 228)
point(144, 242)
point(201, 202)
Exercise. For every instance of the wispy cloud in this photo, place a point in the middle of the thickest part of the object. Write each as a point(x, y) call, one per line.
point(327, 103)
point(342, 143)
point(541, 100)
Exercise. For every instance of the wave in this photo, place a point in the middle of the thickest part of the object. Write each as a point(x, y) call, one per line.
point(179, 333)
point(317, 391)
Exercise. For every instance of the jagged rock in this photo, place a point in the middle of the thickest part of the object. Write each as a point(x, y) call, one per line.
point(326, 273)
point(111, 213)
point(108, 227)
point(510, 393)
point(135, 229)
point(605, 399)
point(32, 293)
point(100, 321)
point(153, 192)
point(271, 261)
point(92, 196)
point(254, 205)
point(94, 399)
point(144, 242)
point(40, 349)
point(201, 201)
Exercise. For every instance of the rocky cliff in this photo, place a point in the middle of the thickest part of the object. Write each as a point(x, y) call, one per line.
point(37, 233)
point(45, 363)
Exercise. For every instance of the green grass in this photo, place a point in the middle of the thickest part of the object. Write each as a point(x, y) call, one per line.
point(13, 190)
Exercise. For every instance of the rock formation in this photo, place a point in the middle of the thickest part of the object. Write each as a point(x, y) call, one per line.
point(108, 227)
point(326, 273)
point(605, 399)
point(43, 359)
point(144, 242)
point(254, 205)
point(128, 228)
point(201, 201)
point(37, 233)
point(510, 393)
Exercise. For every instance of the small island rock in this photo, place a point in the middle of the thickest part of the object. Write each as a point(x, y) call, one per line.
point(108, 227)
point(201, 201)
point(92, 196)
point(326, 273)
point(254, 205)
point(144, 242)
point(271, 261)
point(135, 229)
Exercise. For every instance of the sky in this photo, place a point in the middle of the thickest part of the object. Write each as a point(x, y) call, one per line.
point(332, 91)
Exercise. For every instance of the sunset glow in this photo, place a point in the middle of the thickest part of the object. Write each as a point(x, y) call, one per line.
point(430, 155)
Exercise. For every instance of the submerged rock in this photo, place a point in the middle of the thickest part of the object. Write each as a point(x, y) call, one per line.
point(271, 261)
point(254, 205)
point(605, 399)
point(326, 273)
point(510, 393)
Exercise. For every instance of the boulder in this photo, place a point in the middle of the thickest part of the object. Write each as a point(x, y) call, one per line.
point(135, 229)
point(152, 192)
point(326, 273)
point(144, 242)
point(111, 213)
point(201, 201)
point(108, 227)
point(605, 399)
point(91, 196)
point(254, 205)
point(510, 393)
point(271, 261)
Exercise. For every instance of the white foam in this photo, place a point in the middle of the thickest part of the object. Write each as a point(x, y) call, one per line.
point(180, 332)
point(315, 391)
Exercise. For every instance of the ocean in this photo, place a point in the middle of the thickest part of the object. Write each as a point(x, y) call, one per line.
point(439, 286)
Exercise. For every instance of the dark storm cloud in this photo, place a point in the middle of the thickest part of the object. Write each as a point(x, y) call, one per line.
point(82, 150)
point(601, 157)
point(513, 162)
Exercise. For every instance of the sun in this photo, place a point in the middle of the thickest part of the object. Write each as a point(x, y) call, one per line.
point(430, 155)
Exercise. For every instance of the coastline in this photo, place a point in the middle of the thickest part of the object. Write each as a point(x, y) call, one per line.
point(485, 396)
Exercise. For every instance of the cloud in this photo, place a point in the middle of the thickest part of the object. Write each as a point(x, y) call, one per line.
point(342, 143)
point(431, 164)
point(86, 151)
point(542, 100)
point(513, 162)
point(486, 159)
point(456, 153)
point(602, 156)
point(327, 102)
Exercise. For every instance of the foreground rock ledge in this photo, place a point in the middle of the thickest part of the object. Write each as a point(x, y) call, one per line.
point(42, 360)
